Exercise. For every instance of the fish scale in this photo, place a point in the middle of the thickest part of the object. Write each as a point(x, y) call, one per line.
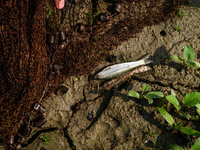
point(118, 69)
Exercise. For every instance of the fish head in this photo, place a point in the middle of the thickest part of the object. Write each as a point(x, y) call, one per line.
point(99, 76)
point(96, 77)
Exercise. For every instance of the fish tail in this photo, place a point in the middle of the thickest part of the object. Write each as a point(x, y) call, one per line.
point(145, 61)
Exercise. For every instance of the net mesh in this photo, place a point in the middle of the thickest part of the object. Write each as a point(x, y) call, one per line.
point(25, 56)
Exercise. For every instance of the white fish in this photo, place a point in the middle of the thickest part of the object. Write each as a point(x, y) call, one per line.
point(118, 69)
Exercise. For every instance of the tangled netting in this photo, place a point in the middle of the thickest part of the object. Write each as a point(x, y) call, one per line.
point(25, 56)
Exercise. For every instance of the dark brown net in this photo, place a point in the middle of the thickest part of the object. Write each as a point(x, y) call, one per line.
point(25, 56)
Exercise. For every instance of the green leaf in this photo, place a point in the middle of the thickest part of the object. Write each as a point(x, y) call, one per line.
point(189, 131)
point(175, 147)
point(155, 95)
point(187, 116)
point(196, 145)
point(124, 58)
point(173, 93)
point(184, 115)
point(198, 111)
point(166, 115)
point(145, 87)
point(197, 64)
point(172, 99)
point(150, 100)
point(178, 124)
point(188, 53)
point(89, 17)
point(97, 14)
point(191, 99)
point(198, 108)
point(174, 57)
point(133, 94)
point(194, 117)
point(191, 64)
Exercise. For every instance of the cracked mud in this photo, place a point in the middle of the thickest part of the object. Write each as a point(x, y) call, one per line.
point(118, 121)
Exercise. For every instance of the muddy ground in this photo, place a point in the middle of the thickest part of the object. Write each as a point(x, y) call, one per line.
point(121, 122)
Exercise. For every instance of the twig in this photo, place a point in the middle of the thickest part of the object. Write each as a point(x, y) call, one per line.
point(43, 92)
point(108, 85)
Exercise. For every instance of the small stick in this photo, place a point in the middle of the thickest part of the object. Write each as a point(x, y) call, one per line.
point(43, 92)
point(108, 85)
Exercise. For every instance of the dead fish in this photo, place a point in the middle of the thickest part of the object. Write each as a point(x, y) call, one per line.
point(118, 69)
point(108, 85)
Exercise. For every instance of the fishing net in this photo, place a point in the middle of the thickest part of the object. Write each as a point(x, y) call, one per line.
point(25, 56)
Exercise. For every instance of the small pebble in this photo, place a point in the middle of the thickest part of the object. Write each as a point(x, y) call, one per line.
point(76, 107)
point(90, 116)
point(147, 141)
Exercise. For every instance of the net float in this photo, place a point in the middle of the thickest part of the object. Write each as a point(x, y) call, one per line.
point(21, 140)
point(62, 36)
point(26, 132)
point(62, 45)
point(38, 123)
point(88, 28)
point(18, 146)
point(12, 139)
point(51, 38)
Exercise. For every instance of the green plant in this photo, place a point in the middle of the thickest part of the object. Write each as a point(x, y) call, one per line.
point(177, 147)
point(46, 141)
point(188, 55)
point(151, 133)
point(73, 147)
point(124, 58)
point(191, 99)
point(176, 28)
point(180, 13)
point(177, 126)
point(52, 23)
point(50, 11)
point(154, 144)
point(149, 96)
point(90, 17)
point(70, 51)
